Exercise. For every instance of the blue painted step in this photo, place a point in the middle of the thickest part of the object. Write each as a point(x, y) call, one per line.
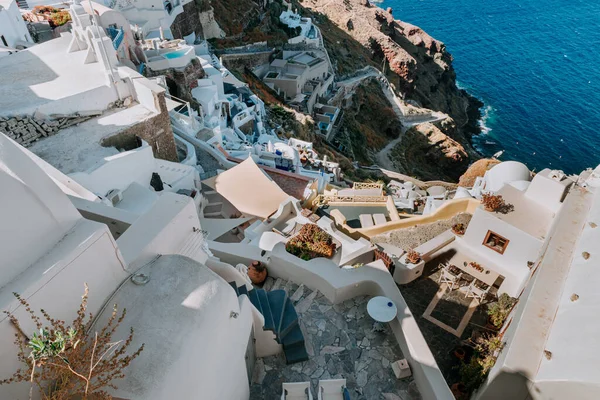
point(289, 319)
point(253, 295)
point(294, 337)
point(280, 317)
point(277, 302)
point(266, 307)
point(234, 286)
point(295, 354)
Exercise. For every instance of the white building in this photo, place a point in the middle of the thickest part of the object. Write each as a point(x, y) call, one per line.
point(551, 350)
point(70, 250)
point(13, 31)
point(81, 75)
point(150, 16)
point(300, 77)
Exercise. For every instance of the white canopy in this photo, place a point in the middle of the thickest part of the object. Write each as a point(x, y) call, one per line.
point(248, 189)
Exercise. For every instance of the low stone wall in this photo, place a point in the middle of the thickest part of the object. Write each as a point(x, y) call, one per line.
point(25, 129)
point(156, 131)
point(246, 60)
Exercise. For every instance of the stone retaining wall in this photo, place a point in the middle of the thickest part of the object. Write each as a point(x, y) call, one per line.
point(25, 129)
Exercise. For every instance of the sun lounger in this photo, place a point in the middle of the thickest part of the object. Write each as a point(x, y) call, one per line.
point(366, 220)
point(379, 219)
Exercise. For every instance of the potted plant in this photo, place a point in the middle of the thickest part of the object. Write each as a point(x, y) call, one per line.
point(257, 273)
point(476, 266)
point(459, 390)
point(498, 311)
point(493, 202)
point(472, 374)
point(459, 229)
point(413, 257)
point(460, 353)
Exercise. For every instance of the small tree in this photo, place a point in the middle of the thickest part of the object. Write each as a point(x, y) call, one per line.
point(499, 310)
point(64, 362)
point(492, 202)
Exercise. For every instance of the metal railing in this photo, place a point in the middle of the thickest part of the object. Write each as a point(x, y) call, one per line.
point(116, 35)
point(327, 198)
point(367, 185)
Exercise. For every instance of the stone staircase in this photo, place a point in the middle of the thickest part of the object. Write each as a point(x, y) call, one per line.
point(214, 207)
point(280, 317)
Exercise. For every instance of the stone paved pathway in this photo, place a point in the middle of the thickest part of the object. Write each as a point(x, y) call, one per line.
point(341, 344)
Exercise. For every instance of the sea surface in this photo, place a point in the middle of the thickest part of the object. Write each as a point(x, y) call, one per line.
point(536, 66)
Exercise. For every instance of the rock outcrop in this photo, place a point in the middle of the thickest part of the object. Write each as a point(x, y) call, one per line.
point(422, 73)
point(427, 152)
point(423, 65)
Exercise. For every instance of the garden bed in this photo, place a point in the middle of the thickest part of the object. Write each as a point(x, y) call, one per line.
point(311, 242)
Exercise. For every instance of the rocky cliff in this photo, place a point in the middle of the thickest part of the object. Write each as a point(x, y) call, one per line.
point(358, 34)
point(422, 68)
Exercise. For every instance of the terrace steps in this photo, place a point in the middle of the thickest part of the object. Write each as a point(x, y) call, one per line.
point(280, 316)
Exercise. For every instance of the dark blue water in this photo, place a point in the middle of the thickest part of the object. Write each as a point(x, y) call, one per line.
point(536, 66)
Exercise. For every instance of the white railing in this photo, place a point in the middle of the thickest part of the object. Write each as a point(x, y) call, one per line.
point(367, 185)
point(327, 198)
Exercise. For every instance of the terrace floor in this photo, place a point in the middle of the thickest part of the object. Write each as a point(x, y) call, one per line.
point(446, 318)
point(341, 343)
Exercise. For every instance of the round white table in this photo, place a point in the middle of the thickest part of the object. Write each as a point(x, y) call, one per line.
point(382, 309)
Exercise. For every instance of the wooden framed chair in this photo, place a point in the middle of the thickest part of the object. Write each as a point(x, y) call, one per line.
point(450, 278)
point(478, 290)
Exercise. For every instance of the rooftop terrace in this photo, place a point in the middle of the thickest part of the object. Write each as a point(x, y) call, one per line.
point(341, 343)
point(46, 73)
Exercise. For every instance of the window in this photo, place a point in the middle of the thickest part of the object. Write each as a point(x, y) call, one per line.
point(495, 242)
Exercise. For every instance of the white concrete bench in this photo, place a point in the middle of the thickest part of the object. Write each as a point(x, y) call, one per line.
point(429, 248)
point(406, 272)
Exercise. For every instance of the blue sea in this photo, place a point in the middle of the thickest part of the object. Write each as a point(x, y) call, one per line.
point(536, 66)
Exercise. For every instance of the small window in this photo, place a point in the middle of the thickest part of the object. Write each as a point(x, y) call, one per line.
point(495, 242)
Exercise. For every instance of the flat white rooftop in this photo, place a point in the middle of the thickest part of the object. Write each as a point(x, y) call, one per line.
point(45, 73)
point(77, 149)
point(527, 215)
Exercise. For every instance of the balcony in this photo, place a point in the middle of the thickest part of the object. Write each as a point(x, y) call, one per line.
point(116, 35)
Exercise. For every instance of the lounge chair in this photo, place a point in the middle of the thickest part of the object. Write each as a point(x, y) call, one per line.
point(366, 220)
point(296, 391)
point(333, 389)
point(379, 219)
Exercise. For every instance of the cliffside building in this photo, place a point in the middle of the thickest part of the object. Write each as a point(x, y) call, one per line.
point(79, 79)
point(13, 31)
point(300, 77)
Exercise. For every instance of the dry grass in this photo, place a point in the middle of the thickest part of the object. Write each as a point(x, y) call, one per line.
point(66, 362)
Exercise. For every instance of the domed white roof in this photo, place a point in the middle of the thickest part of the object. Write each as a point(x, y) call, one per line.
point(521, 185)
point(505, 172)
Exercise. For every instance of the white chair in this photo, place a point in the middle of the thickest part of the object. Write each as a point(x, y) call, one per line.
point(331, 389)
point(296, 391)
point(477, 293)
point(447, 277)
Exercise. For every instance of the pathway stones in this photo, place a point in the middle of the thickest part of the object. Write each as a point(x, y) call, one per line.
point(341, 344)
